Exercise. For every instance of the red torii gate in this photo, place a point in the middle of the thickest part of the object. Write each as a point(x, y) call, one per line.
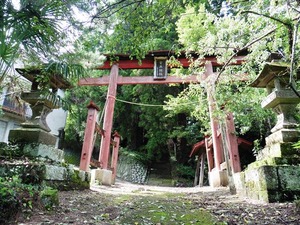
point(124, 62)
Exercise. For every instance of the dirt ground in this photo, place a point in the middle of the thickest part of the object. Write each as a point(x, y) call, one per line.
point(126, 203)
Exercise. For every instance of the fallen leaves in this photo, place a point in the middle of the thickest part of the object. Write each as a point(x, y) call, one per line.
point(161, 208)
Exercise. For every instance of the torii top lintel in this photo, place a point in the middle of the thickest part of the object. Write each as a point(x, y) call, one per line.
point(126, 62)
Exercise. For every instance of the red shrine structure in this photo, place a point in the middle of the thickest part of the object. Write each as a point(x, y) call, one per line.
point(157, 60)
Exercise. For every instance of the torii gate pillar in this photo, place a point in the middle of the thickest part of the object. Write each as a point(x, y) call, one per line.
point(88, 137)
point(217, 177)
point(108, 117)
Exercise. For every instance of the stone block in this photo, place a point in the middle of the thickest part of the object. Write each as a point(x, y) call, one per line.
point(84, 176)
point(93, 177)
point(31, 135)
point(277, 97)
point(104, 176)
point(218, 178)
point(283, 135)
point(268, 178)
point(239, 181)
point(273, 183)
point(260, 182)
point(44, 151)
point(278, 150)
point(261, 178)
point(56, 173)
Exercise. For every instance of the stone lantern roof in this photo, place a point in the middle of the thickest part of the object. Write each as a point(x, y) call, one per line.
point(56, 81)
point(271, 71)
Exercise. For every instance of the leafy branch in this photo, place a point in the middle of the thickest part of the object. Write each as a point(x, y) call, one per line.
point(269, 17)
point(288, 25)
point(110, 8)
point(242, 49)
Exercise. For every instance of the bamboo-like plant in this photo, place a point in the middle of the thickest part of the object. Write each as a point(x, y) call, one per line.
point(34, 26)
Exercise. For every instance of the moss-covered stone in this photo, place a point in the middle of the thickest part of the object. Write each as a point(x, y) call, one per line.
point(44, 151)
point(31, 135)
point(275, 183)
point(273, 161)
point(73, 181)
point(289, 177)
point(278, 150)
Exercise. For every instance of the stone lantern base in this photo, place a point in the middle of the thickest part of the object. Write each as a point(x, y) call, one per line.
point(31, 135)
point(274, 177)
point(270, 183)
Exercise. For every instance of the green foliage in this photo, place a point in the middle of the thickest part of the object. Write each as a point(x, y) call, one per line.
point(14, 196)
point(65, 69)
point(134, 27)
point(184, 171)
point(260, 27)
point(75, 101)
point(32, 174)
point(296, 145)
point(192, 101)
point(9, 202)
point(34, 28)
point(49, 198)
point(134, 155)
point(72, 157)
point(10, 150)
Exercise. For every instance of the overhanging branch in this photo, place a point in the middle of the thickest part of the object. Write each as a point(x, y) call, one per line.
point(242, 49)
point(270, 17)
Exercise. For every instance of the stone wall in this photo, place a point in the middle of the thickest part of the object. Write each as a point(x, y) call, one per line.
point(41, 164)
point(131, 170)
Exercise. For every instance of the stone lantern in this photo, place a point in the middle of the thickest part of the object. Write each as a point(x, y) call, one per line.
point(274, 176)
point(37, 143)
point(42, 102)
point(281, 98)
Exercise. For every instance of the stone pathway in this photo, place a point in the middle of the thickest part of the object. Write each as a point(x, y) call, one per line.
point(126, 203)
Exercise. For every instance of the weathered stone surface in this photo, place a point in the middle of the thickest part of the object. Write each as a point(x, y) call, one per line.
point(259, 181)
point(31, 135)
point(84, 176)
point(44, 151)
point(272, 161)
point(285, 96)
point(93, 176)
point(273, 183)
point(56, 173)
point(289, 177)
point(104, 176)
point(284, 135)
point(218, 178)
point(275, 174)
point(239, 182)
point(283, 102)
point(131, 170)
point(268, 179)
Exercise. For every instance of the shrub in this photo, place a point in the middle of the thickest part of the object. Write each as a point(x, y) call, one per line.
point(9, 203)
point(16, 196)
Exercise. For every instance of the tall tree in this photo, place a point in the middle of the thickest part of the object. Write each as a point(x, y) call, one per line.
point(260, 27)
point(136, 27)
